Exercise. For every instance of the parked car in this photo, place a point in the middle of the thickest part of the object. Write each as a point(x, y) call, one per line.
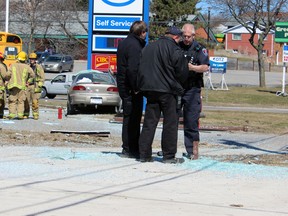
point(58, 63)
point(92, 88)
point(57, 86)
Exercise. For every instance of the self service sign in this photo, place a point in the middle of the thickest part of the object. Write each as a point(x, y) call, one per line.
point(109, 23)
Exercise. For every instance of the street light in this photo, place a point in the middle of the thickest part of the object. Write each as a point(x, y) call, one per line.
point(7, 15)
point(208, 27)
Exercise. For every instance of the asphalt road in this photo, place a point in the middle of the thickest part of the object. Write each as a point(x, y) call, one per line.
point(232, 77)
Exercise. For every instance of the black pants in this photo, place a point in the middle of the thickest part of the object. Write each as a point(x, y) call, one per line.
point(157, 102)
point(132, 114)
point(191, 114)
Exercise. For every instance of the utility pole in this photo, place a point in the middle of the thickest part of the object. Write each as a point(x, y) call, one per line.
point(208, 27)
point(7, 16)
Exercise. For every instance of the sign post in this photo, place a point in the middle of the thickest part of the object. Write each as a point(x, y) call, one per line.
point(109, 23)
point(281, 36)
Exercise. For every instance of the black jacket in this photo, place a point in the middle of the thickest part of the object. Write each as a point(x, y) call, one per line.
point(128, 57)
point(163, 67)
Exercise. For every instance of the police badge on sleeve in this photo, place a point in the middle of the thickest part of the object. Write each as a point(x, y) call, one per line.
point(204, 51)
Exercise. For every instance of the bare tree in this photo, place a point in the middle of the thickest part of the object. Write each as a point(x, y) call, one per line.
point(71, 19)
point(2, 15)
point(262, 13)
point(58, 22)
point(26, 16)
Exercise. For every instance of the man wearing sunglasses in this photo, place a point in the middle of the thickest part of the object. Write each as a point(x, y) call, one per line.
point(191, 100)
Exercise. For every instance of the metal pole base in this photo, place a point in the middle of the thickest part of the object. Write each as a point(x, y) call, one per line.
point(281, 93)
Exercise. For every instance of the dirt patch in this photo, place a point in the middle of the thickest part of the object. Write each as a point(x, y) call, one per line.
point(11, 137)
point(269, 160)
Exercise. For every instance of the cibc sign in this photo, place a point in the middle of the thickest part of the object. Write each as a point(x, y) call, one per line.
point(281, 32)
point(109, 23)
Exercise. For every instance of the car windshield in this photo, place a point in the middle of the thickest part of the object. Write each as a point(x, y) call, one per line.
point(102, 78)
point(53, 59)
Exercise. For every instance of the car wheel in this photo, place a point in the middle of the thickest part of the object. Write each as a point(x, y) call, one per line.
point(71, 68)
point(51, 96)
point(70, 108)
point(43, 93)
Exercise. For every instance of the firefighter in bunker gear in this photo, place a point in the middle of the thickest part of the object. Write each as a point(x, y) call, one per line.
point(21, 75)
point(34, 88)
point(3, 79)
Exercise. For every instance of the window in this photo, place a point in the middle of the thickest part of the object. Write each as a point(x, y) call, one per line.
point(13, 39)
point(236, 36)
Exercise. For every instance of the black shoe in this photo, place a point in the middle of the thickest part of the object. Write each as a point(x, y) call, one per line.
point(173, 161)
point(160, 153)
point(134, 155)
point(124, 154)
point(188, 156)
point(144, 160)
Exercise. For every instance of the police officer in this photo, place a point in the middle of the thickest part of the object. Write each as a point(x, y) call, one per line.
point(3, 79)
point(34, 88)
point(21, 75)
point(198, 64)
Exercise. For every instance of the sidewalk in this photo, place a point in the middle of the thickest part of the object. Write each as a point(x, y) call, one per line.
point(92, 180)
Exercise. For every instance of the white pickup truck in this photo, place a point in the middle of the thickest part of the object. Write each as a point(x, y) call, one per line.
point(57, 85)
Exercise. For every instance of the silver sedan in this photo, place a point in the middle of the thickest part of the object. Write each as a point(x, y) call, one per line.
point(92, 88)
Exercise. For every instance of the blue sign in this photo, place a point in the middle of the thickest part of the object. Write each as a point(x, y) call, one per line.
point(118, 4)
point(110, 21)
point(114, 23)
point(218, 64)
point(106, 42)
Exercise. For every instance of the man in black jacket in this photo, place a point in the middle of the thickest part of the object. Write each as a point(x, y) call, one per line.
point(128, 57)
point(163, 68)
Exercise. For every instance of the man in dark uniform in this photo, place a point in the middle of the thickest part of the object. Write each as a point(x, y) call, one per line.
point(198, 64)
point(128, 57)
point(162, 70)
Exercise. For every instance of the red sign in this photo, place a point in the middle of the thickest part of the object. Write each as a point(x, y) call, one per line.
point(104, 62)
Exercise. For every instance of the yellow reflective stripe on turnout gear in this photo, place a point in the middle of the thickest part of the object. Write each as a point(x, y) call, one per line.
point(23, 79)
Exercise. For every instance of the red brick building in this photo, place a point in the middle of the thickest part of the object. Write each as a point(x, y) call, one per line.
point(237, 40)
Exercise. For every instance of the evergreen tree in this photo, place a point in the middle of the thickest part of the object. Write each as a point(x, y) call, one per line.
point(168, 13)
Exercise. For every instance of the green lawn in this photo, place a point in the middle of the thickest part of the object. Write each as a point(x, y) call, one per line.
point(247, 97)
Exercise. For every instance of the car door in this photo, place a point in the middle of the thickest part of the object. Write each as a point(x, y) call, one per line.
point(65, 63)
point(57, 85)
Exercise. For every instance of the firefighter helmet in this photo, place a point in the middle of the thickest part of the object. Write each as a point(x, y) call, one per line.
point(33, 56)
point(22, 56)
point(1, 56)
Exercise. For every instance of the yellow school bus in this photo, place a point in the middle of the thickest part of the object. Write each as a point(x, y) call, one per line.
point(10, 46)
